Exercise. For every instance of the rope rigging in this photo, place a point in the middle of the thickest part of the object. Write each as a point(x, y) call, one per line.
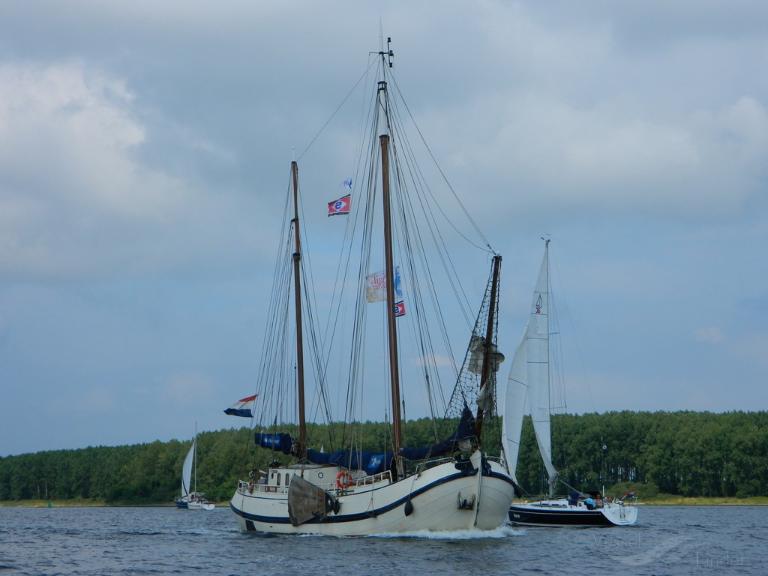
point(428, 266)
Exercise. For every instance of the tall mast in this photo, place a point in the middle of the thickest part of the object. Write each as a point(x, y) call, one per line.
point(389, 269)
point(394, 370)
point(551, 477)
point(489, 355)
point(302, 451)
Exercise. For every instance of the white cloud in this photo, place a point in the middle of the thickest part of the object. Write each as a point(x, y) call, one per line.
point(709, 335)
point(578, 118)
point(76, 193)
point(546, 151)
point(68, 172)
point(188, 389)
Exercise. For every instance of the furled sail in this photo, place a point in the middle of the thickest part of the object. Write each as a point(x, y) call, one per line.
point(537, 341)
point(186, 470)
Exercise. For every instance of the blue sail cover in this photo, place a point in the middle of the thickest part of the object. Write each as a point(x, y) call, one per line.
point(465, 429)
point(280, 441)
point(371, 462)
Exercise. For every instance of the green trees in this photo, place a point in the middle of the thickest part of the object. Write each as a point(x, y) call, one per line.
point(685, 453)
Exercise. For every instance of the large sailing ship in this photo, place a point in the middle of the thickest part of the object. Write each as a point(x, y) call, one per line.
point(451, 483)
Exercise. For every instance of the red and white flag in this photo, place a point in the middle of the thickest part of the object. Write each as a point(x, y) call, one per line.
point(399, 309)
point(341, 206)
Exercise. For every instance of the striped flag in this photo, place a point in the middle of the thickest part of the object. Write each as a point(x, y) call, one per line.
point(241, 407)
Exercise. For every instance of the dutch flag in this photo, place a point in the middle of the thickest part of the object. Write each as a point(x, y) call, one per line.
point(241, 408)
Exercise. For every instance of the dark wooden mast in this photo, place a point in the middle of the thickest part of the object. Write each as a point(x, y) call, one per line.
point(488, 350)
point(302, 447)
point(394, 369)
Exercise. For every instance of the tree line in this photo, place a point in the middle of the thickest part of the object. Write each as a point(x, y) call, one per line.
point(681, 453)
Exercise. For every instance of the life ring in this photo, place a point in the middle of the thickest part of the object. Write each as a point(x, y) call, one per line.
point(344, 479)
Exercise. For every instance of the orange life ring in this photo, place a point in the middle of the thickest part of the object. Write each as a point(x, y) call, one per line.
point(344, 479)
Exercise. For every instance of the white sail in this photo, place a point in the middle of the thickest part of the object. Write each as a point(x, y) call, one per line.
point(515, 397)
point(186, 471)
point(537, 340)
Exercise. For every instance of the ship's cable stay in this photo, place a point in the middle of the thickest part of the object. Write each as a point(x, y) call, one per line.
point(417, 176)
point(313, 342)
point(343, 266)
point(363, 76)
point(445, 179)
point(426, 264)
point(275, 329)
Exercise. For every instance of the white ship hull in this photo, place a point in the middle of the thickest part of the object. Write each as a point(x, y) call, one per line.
point(442, 498)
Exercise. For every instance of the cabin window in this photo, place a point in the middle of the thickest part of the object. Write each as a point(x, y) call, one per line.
point(278, 479)
point(287, 479)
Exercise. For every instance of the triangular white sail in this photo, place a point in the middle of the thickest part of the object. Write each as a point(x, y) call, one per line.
point(537, 342)
point(515, 397)
point(186, 471)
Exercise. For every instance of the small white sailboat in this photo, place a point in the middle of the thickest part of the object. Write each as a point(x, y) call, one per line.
point(528, 389)
point(190, 498)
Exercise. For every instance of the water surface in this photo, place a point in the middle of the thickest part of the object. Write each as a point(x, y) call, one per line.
point(122, 541)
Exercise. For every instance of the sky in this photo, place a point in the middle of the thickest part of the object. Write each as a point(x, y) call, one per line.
point(144, 152)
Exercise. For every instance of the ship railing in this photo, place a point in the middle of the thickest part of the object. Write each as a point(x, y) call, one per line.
point(251, 487)
point(373, 479)
point(427, 464)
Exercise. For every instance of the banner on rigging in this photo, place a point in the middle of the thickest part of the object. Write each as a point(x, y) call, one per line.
point(376, 286)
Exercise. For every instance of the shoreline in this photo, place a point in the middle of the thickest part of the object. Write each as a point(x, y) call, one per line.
point(656, 501)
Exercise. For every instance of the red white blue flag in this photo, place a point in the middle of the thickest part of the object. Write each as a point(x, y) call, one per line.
point(399, 309)
point(242, 407)
point(341, 206)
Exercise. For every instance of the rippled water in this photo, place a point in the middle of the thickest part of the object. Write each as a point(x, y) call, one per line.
point(667, 540)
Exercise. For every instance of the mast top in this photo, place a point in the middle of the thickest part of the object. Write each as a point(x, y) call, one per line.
point(388, 53)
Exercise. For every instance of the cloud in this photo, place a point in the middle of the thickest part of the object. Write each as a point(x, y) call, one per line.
point(548, 152)
point(188, 389)
point(68, 173)
point(579, 119)
point(67, 134)
point(78, 194)
point(709, 335)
